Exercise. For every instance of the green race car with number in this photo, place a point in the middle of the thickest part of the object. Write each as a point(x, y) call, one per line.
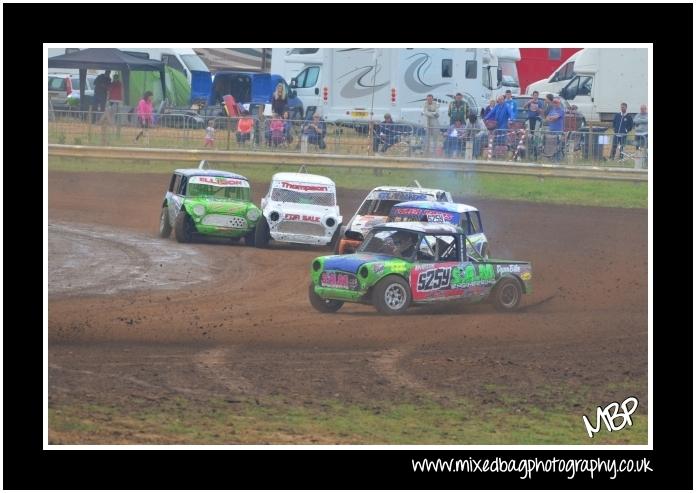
point(402, 263)
point(208, 202)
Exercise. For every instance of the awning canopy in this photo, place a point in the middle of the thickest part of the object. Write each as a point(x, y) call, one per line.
point(106, 59)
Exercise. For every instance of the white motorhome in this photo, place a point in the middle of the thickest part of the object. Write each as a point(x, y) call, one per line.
point(360, 84)
point(507, 59)
point(605, 78)
point(558, 78)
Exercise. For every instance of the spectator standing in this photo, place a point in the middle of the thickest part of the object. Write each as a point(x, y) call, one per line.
point(277, 128)
point(512, 104)
point(101, 89)
point(476, 132)
point(287, 127)
point(245, 126)
point(623, 123)
point(315, 131)
point(556, 119)
point(279, 104)
point(501, 114)
point(116, 93)
point(210, 135)
point(640, 124)
point(534, 108)
point(454, 141)
point(144, 112)
point(458, 109)
point(548, 105)
point(430, 111)
point(488, 109)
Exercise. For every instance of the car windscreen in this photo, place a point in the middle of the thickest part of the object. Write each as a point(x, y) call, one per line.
point(377, 207)
point(304, 193)
point(216, 187)
point(474, 226)
point(393, 242)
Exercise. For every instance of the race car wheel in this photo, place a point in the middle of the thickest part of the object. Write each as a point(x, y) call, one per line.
point(183, 227)
point(250, 238)
point(507, 294)
point(391, 295)
point(322, 305)
point(165, 229)
point(261, 233)
point(335, 239)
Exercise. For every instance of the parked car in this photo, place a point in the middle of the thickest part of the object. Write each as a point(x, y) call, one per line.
point(299, 208)
point(400, 263)
point(208, 202)
point(567, 107)
point(64, 86)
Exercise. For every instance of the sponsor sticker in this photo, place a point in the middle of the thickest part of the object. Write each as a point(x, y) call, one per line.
point(507, 269)
point(339, 280)
point(219, 181)
point(303, 187)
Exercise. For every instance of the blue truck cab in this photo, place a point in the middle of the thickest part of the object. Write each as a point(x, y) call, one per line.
point(253, 88)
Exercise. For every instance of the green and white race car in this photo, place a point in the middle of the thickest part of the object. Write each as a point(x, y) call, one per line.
point(208, 202)
point(401, 263)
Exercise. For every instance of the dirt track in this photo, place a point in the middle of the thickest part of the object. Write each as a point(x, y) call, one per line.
point(249, 332)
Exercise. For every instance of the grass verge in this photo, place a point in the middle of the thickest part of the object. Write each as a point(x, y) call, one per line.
point(424, 421)
point(524, 188)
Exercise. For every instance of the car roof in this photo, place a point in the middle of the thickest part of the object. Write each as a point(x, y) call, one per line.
point(422, 227)
point(303, 178)
point(208, 172)
point(438, 206)
point(430, 191)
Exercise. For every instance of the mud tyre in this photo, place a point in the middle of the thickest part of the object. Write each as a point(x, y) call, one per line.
point(262, 233)
point(507, 295)
point(391, 295)
point(165, 229)
point(322, 305)
point(183, 227)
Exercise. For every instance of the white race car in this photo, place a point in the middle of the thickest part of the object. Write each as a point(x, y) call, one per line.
point(299, 208)
point(376, 208)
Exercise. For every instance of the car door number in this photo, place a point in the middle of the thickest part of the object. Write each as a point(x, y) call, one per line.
point(433, 279)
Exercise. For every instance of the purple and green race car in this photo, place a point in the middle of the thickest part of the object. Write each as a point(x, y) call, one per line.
point(403, 263)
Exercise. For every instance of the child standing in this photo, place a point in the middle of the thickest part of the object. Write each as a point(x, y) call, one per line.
point(210, 135)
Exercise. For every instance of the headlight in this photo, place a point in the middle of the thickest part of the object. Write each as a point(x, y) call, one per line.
point(275, 216)
point(252, 214)
point(330, 222)
point(316, 265)
point(199, 210)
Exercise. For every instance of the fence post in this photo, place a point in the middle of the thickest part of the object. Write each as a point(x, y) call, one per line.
point(89, 124)
point(370, 133)
point(229, 128)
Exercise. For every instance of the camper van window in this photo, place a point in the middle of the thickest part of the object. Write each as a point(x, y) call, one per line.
point(554, 53)
point(447, 67)
point(194, 62)
point(308, 77)
point(71, 50)
point(471, 69)
point(303, 51)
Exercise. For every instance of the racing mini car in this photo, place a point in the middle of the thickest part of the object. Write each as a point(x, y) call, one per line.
point(402, 263)
point(375, 209)
point(299, 208)
point(463, 215)
point(208, 202)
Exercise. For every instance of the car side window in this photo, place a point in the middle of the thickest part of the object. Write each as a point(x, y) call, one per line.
point(182, 186)
point(175, 183)
point(447, 249)
point(426, 249)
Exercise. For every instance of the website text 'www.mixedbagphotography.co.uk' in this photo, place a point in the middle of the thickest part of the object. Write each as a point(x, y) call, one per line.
point(527, 467)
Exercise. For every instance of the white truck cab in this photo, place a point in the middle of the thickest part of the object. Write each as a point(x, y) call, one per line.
point(299, 208)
